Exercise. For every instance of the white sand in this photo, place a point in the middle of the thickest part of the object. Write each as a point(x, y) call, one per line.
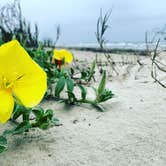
point(131, 133)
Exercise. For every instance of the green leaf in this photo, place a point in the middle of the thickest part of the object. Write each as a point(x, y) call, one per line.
point(83, 91)
point(39, 112)
point(70, 88)
point(2, 148)
point(106, 95)
point(102, 84)
point(84, 74)
point(26, 114)
point(44, 125)
point(17, 111)
point(60, 86)
point(70, 85)
point(3, 140)
point(43, 119)
point(16, 114)
point(99, 107)
point(49, 114)
point(8, 132)
point(72, 98)
point(3, 144)
point(22, 127)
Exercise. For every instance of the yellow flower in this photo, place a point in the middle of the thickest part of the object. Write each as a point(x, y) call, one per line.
point(63, 55)
point(20, 78)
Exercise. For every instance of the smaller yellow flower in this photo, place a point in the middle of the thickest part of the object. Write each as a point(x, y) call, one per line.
point(62, 56)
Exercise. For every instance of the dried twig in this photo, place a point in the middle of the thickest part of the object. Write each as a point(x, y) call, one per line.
point(156, 65)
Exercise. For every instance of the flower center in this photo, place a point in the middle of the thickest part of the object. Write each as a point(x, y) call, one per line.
point(59, 64)
point(5, 84)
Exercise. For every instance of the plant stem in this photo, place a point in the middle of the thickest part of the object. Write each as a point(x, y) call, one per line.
point(87, 101)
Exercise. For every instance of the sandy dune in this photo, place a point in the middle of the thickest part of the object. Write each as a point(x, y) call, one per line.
point(131, 133)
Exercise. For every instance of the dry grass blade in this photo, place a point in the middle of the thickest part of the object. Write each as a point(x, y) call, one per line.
point(156, 65)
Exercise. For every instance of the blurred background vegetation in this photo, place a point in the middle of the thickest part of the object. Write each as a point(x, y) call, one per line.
point(13, 25)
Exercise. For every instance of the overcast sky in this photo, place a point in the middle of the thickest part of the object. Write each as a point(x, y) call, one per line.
point(77, 18)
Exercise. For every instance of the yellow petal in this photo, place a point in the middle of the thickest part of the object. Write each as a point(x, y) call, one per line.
point(57, 55)
point(30, 89)
point(68, 57)
point(30, 79)
point(6, 106)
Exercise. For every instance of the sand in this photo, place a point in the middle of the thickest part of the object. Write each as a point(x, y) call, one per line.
point(132, 132)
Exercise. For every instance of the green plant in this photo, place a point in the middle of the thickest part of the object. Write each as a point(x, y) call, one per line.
point(67, 79)
point(86, 74)
point(23, 119)
point(102, 26)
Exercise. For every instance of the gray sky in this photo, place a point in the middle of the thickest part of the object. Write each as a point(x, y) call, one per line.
point(129, 20)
